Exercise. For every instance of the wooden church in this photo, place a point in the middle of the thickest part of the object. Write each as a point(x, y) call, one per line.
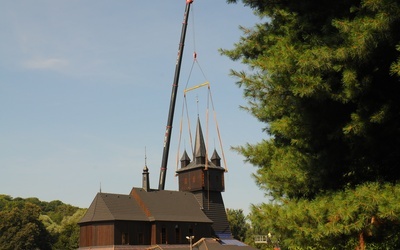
point(164, 219)
point(192, 218)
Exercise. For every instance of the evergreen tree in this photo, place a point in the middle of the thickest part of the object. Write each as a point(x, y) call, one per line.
point(324, 79)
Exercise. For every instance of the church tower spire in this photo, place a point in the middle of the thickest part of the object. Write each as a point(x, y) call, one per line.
point(200, 151)
point(204, 178)
point(201, 173)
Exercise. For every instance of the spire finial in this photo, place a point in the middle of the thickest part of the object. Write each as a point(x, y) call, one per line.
point(145, 168)
point(100, 187)
point(145, 156)
point(214, 144)
point(197, 103)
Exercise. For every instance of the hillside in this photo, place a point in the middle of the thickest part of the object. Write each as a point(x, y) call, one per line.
point(29, 223)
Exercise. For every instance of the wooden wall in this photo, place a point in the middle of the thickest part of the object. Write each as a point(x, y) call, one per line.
point(99, 234)
point(191, 180)
point(115, 233)
point(200, 179)
point(176, 232)
point(141, 233)
point(214, 180)
point(132, 233)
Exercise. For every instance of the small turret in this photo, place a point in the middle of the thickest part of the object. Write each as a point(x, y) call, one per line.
point(145, 179)
point(201, 173)
point(216, 159)
point(185, 160)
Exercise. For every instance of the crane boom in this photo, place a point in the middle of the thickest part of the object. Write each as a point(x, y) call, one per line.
point(167, 136)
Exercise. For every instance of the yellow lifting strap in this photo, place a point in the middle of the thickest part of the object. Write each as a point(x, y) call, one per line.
point(207, 83)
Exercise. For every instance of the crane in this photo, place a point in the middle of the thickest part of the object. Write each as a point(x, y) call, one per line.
point(168, 130)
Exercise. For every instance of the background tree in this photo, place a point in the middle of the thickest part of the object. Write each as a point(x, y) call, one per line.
point(325, 80)
point(238, 224)
point(68, 234)
point(20, 228)
point(33, 224)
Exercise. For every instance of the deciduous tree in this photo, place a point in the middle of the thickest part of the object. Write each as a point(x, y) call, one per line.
point(20, 229)
point(238, 224)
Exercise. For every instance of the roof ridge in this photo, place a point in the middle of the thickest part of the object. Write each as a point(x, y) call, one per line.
point(141, 204)
point(95, 206)
point(105, 204)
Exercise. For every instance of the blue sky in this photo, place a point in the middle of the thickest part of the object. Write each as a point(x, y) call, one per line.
point(85, 88)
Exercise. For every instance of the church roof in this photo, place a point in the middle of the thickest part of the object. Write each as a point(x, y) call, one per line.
point(157, 203)
point(108, 207)
point(185, 157)
point(194, 165)
point(200, 152)
point(217, 244)
point(141, 205)
point(199, 145)
point(215, 155)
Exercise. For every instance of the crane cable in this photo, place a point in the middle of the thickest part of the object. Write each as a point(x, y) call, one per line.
point(185, 107)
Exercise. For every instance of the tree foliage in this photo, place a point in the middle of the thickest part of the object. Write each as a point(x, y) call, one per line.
point(33, 224)
point(20, 228)
point(238, 224)
point(324, 78)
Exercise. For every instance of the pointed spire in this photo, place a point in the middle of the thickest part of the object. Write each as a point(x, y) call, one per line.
point(216, 159)
point(199, 145)
point(185, 160)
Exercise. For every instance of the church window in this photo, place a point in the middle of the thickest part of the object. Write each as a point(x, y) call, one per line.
point(163, 235)
point(124, 240)
point(140, 238)
point(177, 235)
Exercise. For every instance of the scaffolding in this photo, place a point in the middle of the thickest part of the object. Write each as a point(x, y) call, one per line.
point(261, 239)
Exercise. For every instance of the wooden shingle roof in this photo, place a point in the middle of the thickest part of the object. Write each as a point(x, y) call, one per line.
point(110, 207)
point(166, 205)
point(215, 211)
point(214, 244)
point(199, 154)
point(141, 205)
